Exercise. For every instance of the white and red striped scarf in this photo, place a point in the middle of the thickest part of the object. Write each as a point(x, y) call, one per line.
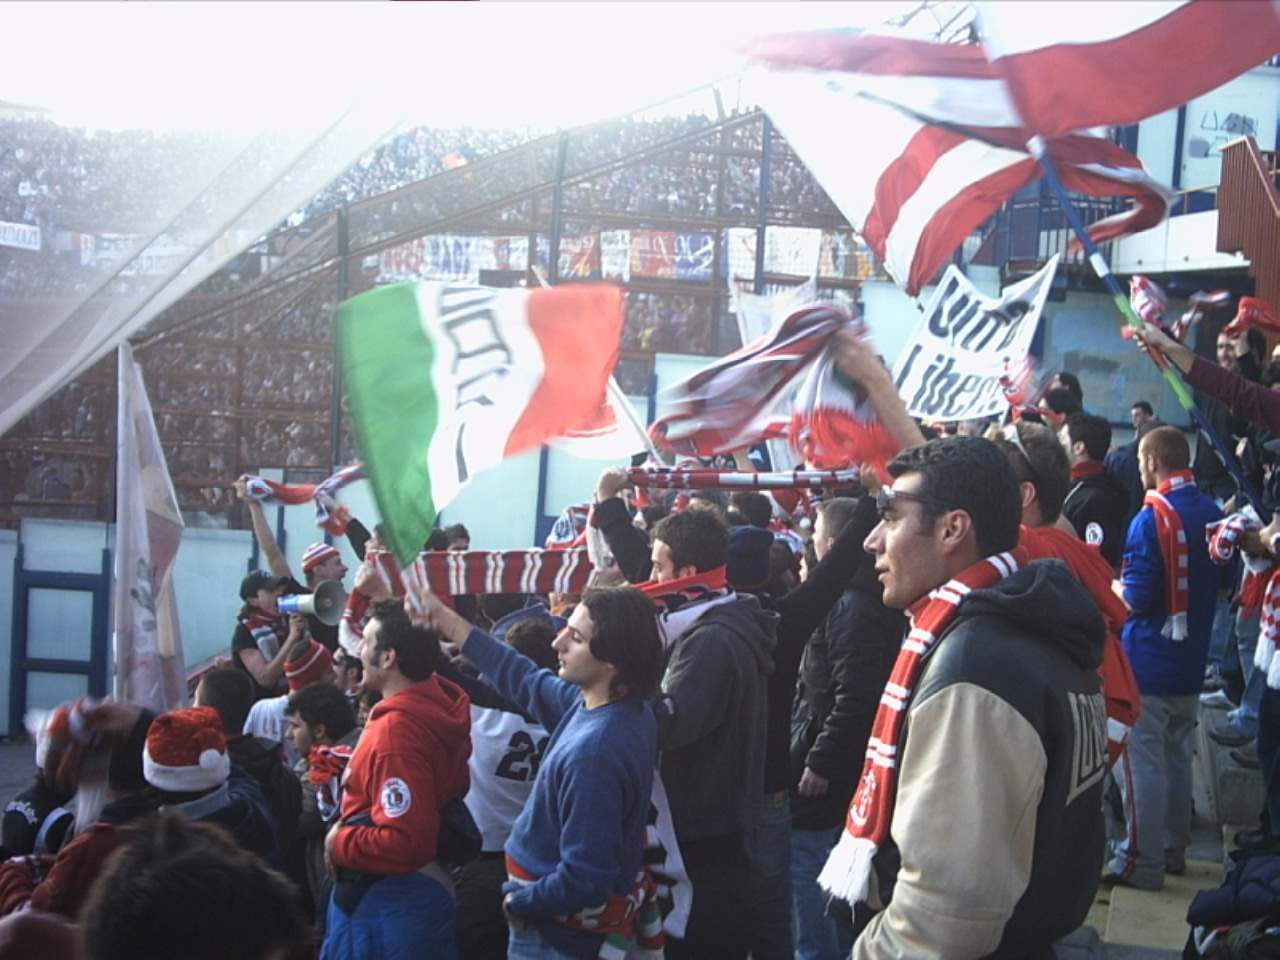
point(1260, 589)
point(457, 573)
point(1173, 550)
point(681, 602)
point(729, 480)
point(757, 393)
point(274, 493)
point(267, 632)
point(847, 873)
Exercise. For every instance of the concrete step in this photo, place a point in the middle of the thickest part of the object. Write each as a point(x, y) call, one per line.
point(1225, 791)
point(1158, 918)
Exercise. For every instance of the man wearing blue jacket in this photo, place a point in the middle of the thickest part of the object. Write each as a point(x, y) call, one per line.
point(1170, 586)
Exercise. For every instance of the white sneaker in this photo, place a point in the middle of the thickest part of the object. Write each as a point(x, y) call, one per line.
point(1218, 699)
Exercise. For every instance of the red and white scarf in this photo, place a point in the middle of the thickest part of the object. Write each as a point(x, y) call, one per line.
point(847, 873)
point(267, 632)
point(680, 603)
point(457, 573)
point(1173, 550)
point(274, 493)
point(1260, 589)
point(728, 480)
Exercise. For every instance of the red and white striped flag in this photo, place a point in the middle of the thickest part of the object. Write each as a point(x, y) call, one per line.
point(1069, 67)
point(912, 188)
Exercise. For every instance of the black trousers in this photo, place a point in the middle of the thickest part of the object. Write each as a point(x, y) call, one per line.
point(720, 921)
point(480, 928)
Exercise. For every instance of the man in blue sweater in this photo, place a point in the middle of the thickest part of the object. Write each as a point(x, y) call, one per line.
point(575, 852)
point(1167, 640)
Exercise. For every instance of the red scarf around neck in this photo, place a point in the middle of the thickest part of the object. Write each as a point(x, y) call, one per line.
point(1173, 550)
point(1086, 469)
point(847, 872)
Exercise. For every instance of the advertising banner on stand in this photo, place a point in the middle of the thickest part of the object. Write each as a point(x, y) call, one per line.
point(615, 255)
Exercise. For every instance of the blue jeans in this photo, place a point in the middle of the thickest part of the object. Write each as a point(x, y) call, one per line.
point(769, 850)
point(1245, 717)
point(1220, 633)
point(408, 917)
point(819, 935)
point(528, 944)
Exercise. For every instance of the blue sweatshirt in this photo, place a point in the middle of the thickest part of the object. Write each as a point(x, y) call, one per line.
point(582, 830)
point(1165, 667)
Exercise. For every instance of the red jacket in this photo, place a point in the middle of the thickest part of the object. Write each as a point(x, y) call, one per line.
point(411, 760)
point(1119, 687)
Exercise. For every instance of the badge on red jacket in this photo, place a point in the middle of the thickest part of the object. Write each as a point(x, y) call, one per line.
point(396, 797)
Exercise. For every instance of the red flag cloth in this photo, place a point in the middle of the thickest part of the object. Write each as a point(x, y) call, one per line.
point(756, 393)
point(1069, 72)
point(949, 150)
point(1252, 312)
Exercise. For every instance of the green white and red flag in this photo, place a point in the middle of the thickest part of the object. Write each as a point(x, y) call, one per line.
point(444, 381)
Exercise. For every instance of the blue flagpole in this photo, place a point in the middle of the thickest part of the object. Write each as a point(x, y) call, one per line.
point(1038, 150)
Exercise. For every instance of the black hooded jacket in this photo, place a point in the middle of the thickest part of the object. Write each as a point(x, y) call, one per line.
point(998, 817)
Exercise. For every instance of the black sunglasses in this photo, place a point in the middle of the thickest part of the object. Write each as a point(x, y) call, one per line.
point(887, 497)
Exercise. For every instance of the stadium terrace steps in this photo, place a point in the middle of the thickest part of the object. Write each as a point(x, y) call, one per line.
point(1225, 792)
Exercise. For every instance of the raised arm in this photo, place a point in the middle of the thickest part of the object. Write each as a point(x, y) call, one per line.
point(1245, 399)
point(855, 358)
point(538, 692)
point(271, 552)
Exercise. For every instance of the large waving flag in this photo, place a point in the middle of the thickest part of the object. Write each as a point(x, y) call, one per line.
point(445, 381)
point(783, 384)
point(1068, 69)
point(149, 665)
point(915, 189)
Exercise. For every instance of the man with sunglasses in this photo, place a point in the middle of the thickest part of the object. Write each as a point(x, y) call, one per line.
point(978, 815)
point(980, 799)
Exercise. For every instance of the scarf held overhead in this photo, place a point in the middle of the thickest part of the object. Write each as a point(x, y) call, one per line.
point(274, 493)
point(847, 873)
point(728, 480)
point(783, 384)
point(458, 573)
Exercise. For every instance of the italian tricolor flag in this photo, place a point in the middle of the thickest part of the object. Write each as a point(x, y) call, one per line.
point(444, 381)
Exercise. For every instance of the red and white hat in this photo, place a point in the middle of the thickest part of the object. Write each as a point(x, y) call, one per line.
point(186, 751)
point(317, 554)
point(310, 667)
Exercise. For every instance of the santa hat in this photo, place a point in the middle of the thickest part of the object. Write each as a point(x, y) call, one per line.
point(317, 554)
point(305, 670)
point(186, 751)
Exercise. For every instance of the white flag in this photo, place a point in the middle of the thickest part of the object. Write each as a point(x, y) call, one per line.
point(149, 665)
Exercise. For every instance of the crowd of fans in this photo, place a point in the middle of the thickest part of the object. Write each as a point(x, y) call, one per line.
point(865, 721)
point(72, 182)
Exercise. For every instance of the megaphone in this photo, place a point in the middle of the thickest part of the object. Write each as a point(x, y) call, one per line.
point(326, 604)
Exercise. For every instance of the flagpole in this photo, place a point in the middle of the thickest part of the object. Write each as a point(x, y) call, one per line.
point(1036, 145)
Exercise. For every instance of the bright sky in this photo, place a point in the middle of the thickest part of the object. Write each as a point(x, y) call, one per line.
point(230, 65)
